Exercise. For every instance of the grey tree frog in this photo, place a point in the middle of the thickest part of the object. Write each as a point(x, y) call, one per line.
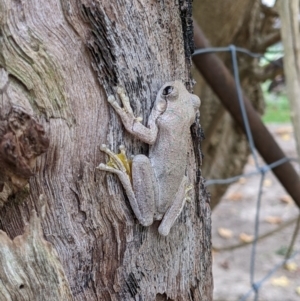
point(156, 186)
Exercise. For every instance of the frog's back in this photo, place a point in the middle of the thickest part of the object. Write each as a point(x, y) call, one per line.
point(168, 157)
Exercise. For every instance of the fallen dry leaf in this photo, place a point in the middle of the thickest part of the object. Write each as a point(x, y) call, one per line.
point(267, 183)
point(287, 199)
point(286, 137)
point(284, 130)
point(235, 196)
point(274, 220)
point(225, 233)
point(246, 237)
point(298, 290)
point(282, 281)
point(291, 266)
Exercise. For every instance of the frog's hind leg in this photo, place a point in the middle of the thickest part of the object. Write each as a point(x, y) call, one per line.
point(144, 186)
point(119, 165)
point(175, 209)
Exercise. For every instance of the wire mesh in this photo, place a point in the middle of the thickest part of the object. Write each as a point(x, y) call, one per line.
point(255, 286)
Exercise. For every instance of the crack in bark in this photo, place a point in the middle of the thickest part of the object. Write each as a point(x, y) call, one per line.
point(101, 46)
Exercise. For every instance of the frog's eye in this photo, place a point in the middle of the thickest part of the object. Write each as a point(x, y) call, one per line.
point(167, 90)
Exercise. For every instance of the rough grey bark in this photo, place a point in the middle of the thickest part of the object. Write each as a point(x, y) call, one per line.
point(245, 24)
point(60, 59)
point(30, 268)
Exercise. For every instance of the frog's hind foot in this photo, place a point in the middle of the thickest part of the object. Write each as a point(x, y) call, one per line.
point(118, 162)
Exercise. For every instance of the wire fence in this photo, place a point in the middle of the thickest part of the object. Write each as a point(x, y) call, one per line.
point(261, 170)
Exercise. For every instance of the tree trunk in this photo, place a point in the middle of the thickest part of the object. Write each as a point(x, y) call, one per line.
point(289, 15)
point(59, 61)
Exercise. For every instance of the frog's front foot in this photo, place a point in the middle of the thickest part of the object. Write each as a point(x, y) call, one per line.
point(124, 112)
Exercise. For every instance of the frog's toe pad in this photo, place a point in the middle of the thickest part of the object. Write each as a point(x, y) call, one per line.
point(164, 231)
point(146, 222)
point(101, 166)
point(111, 99)
point(103, 147)
point(120, 90)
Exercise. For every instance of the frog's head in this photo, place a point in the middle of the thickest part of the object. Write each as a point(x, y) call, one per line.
point(176, 92)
